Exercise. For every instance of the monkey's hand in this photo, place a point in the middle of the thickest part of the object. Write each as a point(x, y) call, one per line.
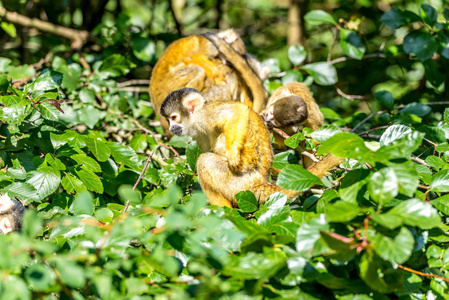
point(234, 161)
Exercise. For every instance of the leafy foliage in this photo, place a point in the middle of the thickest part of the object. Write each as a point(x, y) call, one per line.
point(114, 212)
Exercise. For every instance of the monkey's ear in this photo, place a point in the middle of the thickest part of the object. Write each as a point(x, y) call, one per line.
point(193, 101)
point(5, 226)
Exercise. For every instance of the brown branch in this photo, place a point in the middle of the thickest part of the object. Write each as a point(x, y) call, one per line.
point(419, 161)
point(133, 82)
point(422, 274)
point(281, 133)
point(349, 97)
point(78, 37)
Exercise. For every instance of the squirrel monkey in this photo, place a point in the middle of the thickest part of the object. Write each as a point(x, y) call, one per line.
point(291, 108)
point(11, 214)
point(215, 64)
point(235, 141)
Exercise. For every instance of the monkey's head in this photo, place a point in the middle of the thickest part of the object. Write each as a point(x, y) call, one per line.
point(11, 214)
point(287, 111)
point(179, 107)
point(233, 38)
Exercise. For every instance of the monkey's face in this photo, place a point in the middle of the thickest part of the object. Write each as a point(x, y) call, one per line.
point(11, 213)
point(176, 125)
point(5, 224)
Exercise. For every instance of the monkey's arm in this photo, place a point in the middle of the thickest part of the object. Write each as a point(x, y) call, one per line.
point(235, 131)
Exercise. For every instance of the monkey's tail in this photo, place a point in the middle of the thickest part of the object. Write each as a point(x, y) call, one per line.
point(263, 191)
point(323, 167)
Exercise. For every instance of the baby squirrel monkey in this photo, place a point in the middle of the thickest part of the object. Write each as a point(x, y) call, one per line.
point(291, 108)
point(11, 214)
point(235, 141)
point(215, 64)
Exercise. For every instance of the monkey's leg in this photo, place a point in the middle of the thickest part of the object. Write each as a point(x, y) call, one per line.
point(219, 183)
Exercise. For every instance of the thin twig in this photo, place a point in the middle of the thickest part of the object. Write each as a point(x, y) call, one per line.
point(349, 97)
point(422, 274)
point(430, 142)
point(346, 58)
point(133, 82)
point(366, 119)
point(310, 155)
point(419, 161)
point(281, 133)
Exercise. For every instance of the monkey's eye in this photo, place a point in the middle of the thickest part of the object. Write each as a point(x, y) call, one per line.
point(174, 117)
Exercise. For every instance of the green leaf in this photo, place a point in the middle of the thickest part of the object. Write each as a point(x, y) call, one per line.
point(383, 186)
point(322, 73)
point(428, 13)
point(446, 115)
point(416, 213)
point(15, 110)
point(39, 277)
point(124, 155)
point(115, 65)
point(25, 192)
point(9, 28)
point(293, 141)
point(309, 233)
point(402, 147)
point(47, 80)
point(417, 109)
point(4, 85)
point(440, 182)
point(247, 201)
point(87, 95)
point(97, 145)
point(442, 204)
point(32, 224)
point(71, 274)
point(90, 180)
point(281, 160)
point(393, 133)
point(346, 145)
point(385, 97)
point(387, 221)
point(72, 184)
point(396, 18)
point(83, 204)
point(317, 17)
point(193, 151)
point(104, 215)
point(48, 111)
point(407, 176)
point(443, 41)
point(295, 177)
point(297, 54)
point(342, 211)
point(352, 188)
point(446, 14)
point(127, 193)
point(435, 77)
point(420, 43)
point(395, 249)
point(45, 180)
point(139, 142)
point(274, 216)
point(352, 44)
point(325, 132)
point(86, 162)
point(54, 162)
point(143, 48)
point(435, 162)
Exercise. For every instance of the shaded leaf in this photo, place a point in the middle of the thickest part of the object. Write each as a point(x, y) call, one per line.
point(296, 178)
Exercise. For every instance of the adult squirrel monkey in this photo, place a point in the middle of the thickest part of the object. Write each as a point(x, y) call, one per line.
point(235, 141)
point(291, 108)
point(215, 64)
point(11, 214)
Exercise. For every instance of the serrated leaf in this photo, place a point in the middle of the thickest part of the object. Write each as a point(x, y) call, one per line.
point(83, 204)
point(385, 97)
point(435, 162)
point(325, 132)
point(72, 184)
point(416, 213)
point(86, 162)
point(143, 48)
point(274, 216)
point(442, 204)
point(90, 180)
point(383, 186)
point(395, 249)
point(446, 115)
point(342, 211)
point(124, 155)
point(435, 77)
point(346, 145)
point(440, 181)
point(87, 95)
point(352, 44)
point(97, 146)
point(407, 176)
point(127, 193)
point(47, 80)
point(387, 221)
point(420, 43)
point(104, 215)
point(309, 233)
point(396, 18)
point(293, 141)
point(393, 133)
point(317, 17)
point(22, 190)
point(295, 177)
point(352, 188)
point(115, 65)
point(139, 142)
point(48, 111)
point(297, 54)
point(45, 180)
point(322, 73)
point(247, 201)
